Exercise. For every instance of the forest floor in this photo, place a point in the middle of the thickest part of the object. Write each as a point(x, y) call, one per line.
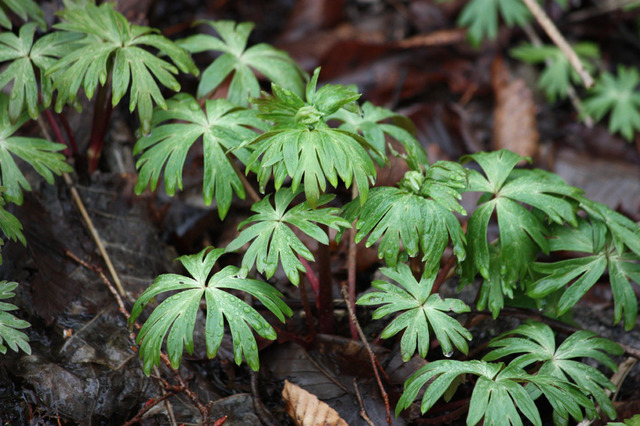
point(408, 56)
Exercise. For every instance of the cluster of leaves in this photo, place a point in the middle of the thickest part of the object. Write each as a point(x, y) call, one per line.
point(616, 95)
point(9, 324)
point(558, 76)
point(286, 137)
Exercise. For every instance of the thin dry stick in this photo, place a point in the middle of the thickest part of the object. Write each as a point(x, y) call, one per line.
point(571, 93)
point(372, 357)
point(94, 234)
point(553, 33)
point(146, 407)
point(183, 385)
point(247, 186)
point(324, 371)
point(125, 313)
point(363, 412)
point(258, 405)
point(83, 212)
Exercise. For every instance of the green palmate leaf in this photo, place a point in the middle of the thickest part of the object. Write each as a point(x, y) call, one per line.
point(243, 62)
point(422, 311)
point(9, 225)
point(274, 239)
point(41, 154)
point(175, 317)
point(537, 345)
point(9, 324)
point(481, 17)
point(302, 146)
point(580, 274)
point(417, 216)
point(558, 74)
point(624, 232)
point(25, 9)
point(498, 394)
point(29, 59)
point(222, 126)
point(617, 95)
point(368, 121)
point(522, 231)
point(112, 49)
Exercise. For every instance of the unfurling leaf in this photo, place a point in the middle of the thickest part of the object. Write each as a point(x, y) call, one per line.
point(302, 146)
point(418, 215)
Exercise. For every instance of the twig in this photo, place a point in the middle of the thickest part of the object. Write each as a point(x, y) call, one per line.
point(94, 234)
point(324, 371)
point(363, 412)
point(265, 416)
point(372, 357)
point(245, 183)
point(553, 33)
point(146, 407)
point(184, 388)
point(571, 92)
point(83, 212)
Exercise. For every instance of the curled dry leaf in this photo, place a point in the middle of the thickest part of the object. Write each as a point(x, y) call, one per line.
point(514, 122)
point(307, 410)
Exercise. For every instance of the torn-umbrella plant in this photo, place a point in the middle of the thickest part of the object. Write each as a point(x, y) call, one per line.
point(299, 138)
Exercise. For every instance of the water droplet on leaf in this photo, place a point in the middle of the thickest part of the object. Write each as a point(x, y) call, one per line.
point(449, 354)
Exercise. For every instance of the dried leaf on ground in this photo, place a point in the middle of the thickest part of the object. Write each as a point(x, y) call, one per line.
point(514, 122)
point(306, 409)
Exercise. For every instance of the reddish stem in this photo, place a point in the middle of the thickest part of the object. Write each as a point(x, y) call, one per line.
point(325, 293)
point(101, 118)
point(70, 137)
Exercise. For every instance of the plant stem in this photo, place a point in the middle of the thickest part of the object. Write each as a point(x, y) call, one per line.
point(555, 35)
point(245, 183)
point(101, 117)
point(351, 267)
point(325, 293)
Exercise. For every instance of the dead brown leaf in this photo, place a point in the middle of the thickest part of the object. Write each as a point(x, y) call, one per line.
point(307, 410)
point(514, 121)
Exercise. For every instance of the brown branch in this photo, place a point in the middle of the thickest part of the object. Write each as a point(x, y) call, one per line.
point(85, 216)
point(549, 27)
point(571, 92)
point(245, 183)
point(363, 412)
point(372, 357)
point(146, 407)
point(184, 388)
